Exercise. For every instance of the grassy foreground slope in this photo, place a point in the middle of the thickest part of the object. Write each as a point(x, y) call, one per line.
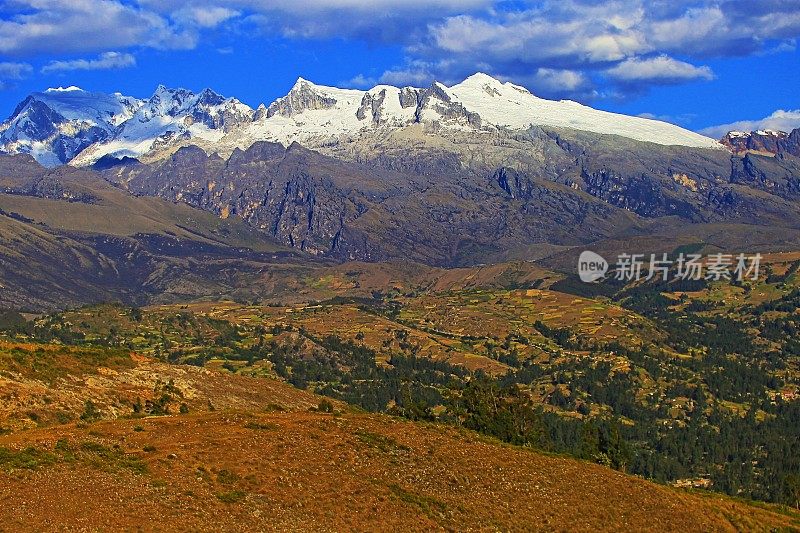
point(237, 471)
point(182, 448)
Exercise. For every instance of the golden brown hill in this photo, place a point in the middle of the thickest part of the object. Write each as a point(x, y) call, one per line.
point(234, 471)
point(262, 460)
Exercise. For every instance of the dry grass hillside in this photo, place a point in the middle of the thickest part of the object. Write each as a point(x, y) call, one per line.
point(237, 471)
point(233, 453)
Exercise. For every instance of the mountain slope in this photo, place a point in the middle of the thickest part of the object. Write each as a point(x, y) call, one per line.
point(223, 472)
point(451, 198)
point(245, 454)
point(69, 237)
point(326, 206)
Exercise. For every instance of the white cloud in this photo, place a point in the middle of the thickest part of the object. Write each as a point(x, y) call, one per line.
point(562, 46)
point(633, 41)
point(205, 17)
point(780, 120)
point(62, 26)
point(683, 119)
point(564, 80)
point(562, 36)
point(663, 69)
point(360, 81)
point(10, 71)
point(375, 20)
point(414, 73)
point(106, 61)
point(15, 71)
point(403, 77)
point(555, 83)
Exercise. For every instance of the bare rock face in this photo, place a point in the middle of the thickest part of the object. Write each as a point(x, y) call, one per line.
point(349, 211)
point(371, 106)
point(513, 182)
point(436, 98)
point(409, 97)
point(763, 142)
point(261, 113)
point(301, 97)
point(218, 112)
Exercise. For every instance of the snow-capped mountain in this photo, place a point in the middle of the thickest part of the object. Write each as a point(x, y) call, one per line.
point(312, 114)
point(57, 124)
point(168, 116)
point(71, 125)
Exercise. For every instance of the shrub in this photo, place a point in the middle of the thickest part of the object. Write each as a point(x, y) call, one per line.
point(232, 496)
point(325, 406)
point(90, 411)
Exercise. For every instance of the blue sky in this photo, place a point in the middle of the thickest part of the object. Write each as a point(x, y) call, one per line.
point(698, 63)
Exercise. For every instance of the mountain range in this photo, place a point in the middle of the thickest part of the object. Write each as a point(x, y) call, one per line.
point(479, 172)
point(66, 125)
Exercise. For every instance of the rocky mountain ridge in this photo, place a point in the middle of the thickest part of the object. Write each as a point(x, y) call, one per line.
point(764, 142)
point(435, 205)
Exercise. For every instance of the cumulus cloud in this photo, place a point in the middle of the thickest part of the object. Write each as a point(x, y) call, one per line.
point(411, 76)
point(554, 47)
point(59, 26)
point(780, 120)
point(534, 38)
point(553, 79)
point(414, 73)
point(684, 119)
point(387, 21)
point(634, 43)
point(106, 61)
point(556, 83)
point(660, 69)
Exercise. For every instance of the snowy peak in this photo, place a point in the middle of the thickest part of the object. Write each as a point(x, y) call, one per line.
point(63, 89)
point(304, 95)
point(481, 81)
point(170, 116)
point(57, 124)
point(491, 87)
point(74, 103)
